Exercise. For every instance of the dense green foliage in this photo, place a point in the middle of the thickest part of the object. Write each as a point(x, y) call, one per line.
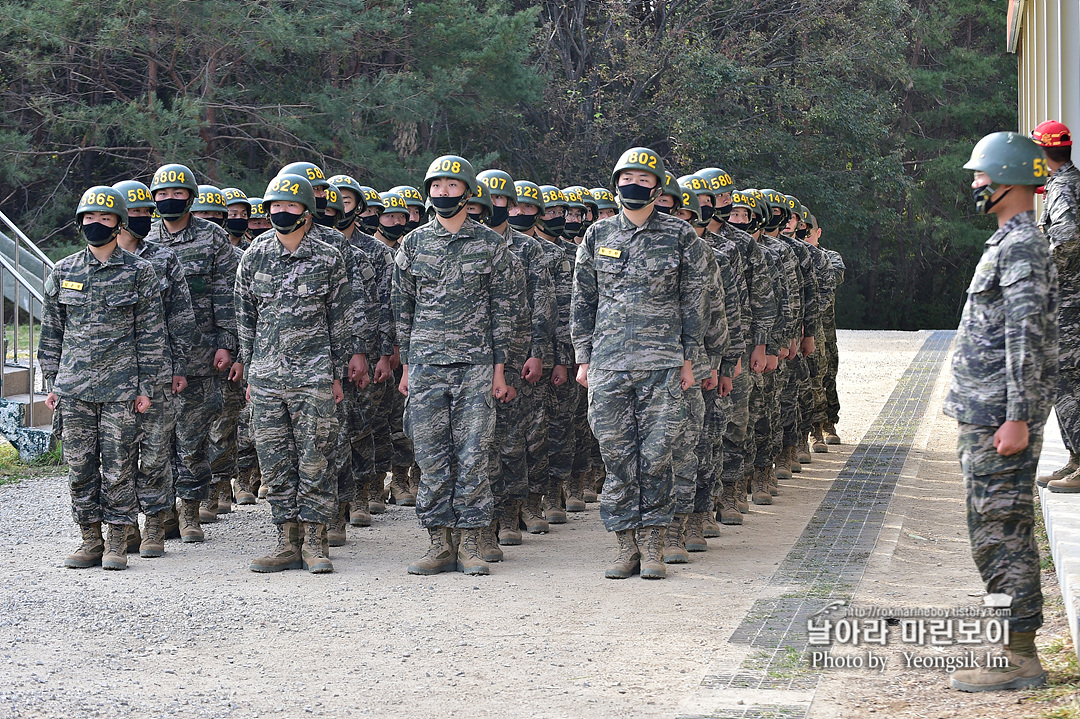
point(864, 109)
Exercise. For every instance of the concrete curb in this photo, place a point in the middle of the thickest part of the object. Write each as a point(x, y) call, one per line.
point(1061, 513)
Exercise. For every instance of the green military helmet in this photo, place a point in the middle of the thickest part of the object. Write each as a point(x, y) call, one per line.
point(450, 167)
point(210, 199)
point(793, 204)
point(1009, 158)
point(528, 193)
point(719, 181)
point(605, 200)
point(234, 196)
point(412, 196)
point(174, 175)
point(553, 197)
point(344, 182)
point(574, 197)
point(482, 198)
point(587, 198)
point(639, 158)
point(698, 184)
point(744, 198)
point(258, 208)
point(774, 200)
point(333, 198)
point(309, 170)
point(672, 189)
point(372, 198)
point(689, 201)
point(394, 201)
point(498, 183)
point(102, 198)
point(136, 194)
point(290, 188)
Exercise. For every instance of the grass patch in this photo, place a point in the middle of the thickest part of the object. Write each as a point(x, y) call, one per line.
point(24, 340)
point(13, 469)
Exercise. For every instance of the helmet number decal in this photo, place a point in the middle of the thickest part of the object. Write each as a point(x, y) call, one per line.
point(642, 158)
point(283, 185)
point(1040, 167)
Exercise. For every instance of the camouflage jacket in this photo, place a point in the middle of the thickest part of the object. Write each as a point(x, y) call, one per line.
point(639, 294)
point(780, 268)
point(209, 263)
point(540, 290)
point(1059, 222)
point(809, 293)
point(728, 259)
point(363, 294)
point(176, 305)
point(520, 313)
point(451, 296)
point(293, 314)
point(381, 258)
point(1005, 357)
point(836, 278)
point(102, 328)
point(561, 269)
point(761, 305)
point(716, 340)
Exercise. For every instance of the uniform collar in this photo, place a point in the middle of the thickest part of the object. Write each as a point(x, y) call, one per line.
point(303, 250)
point(627, 226)
point(116, 258)
point(1023, 218)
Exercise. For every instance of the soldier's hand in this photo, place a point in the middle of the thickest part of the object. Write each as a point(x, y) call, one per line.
point(807, 346)
point(383, 370)
point(771, 362)
point(358, 370)
point(236, 372)
point(222, 359)
point(511, 394)
point(757, 359)
point(395, 359)
point(793, 348)
point(583, 375)
point(533, 369)
point(338, 394)
point(403, 385)
point(247, 393)
point(724, 389)
point(498, 387)
point(558, 375)
point(179, 383)
point(142, 403)
point(782, 354)
point(686, 375)
point(1011, 438)
point(51, 400)
point(711, 381)
point(738, 369)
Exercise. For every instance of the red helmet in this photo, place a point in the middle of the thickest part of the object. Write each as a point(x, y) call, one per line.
point(1051, 134)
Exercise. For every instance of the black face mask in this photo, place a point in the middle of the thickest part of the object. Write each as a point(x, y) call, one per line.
point(724, 212)
point(571, 230)
point(219, 221)
point(553, 227)
point(475, 216)
point(744, 226)
point(236, 225)
point(584, 226)
point(411, 225)
point(325, 220)
point(286, 222)
point(775, 222)
point(498, 216)
point(522, 223)
point(707, 213)
point(320, 206)
point(803, 233)
point(139, 227)
point(371, 223)
point(392, 232)
point(98, 235)
point(635, 197)
point(983, 203)
point(345, 220)
point(172, 209)
point(448, 206)
point(665, 210)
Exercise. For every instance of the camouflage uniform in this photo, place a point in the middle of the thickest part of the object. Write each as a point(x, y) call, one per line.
point(102, 344)
point(638, 313)
point(796, 372)
point(296, 325)
point(562, 442)
point(209, 263)
point(222, 448)
point(769, 427)
point(822, 269)
point(1059, 221)
point(1005, 368)
point(451, 305)
point(828, 321)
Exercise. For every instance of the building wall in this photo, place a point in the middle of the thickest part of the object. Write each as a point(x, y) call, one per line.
point(1045, 35)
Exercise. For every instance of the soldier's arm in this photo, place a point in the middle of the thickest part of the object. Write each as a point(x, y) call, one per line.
point(404, 301)
point(736, 345)
point(693, 279)
point(717, 332)
point(1025, 285)
point(223, 304)
point(584, 301)
point(247, 311)
point(564, 344)
point(499, 299)
point(387, 328)
point(51, 339)
point(364, 321)
point(763, 301)
point(179, 316)
point(149, 330)
point(544, 310)
point(340, 318)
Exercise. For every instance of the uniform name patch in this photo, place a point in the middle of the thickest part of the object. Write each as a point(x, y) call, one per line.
point(263, 277)
point(69, 285)
point(608, 252)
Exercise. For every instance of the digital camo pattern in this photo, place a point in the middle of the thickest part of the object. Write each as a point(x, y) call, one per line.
point(102, 328)
point(537, 401)
point(760, 304)
point(710, 450)
point(684, 456)
point(450, 296)
point(363, 297)
point(639, 294)
point(221, 446)
point(562, 444)
point(1005, 357)
point(381, 258)
point(734, 305)
point(714, 345)
point(832, 354)
point(209, 264)
point(199, 405)
point(99, 444)
point(520, 310)
point(739, 449)
point(1059, 221)
point(782, 327)
point(561, 268)
point(540, 289)
point(1001, 519)
point(510, 472)
point(176, 305)
point(154, 480)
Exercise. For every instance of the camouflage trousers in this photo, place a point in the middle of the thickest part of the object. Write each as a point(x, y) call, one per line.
point(245, 445)
point(539, 399)
point(339, 451)
point(710, 450)
point(294, 429)
point(382, 398)
point(200, 404)
point(361, 433)
point(509, 471)
point(684, 450)
point(222, 447)
point(832, 354)
point(635, 416)
point(817, 411)
point(1067, 404)
point(794, 376)
point(99, 446)
point(393, 448)
point(451, 419)
point(764, 411)
point(154, 452)
point(1001, 519)
point(587, 451)
point(739, 448)
point(562, 444)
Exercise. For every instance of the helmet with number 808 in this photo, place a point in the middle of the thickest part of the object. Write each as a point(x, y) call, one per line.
point(1009, 158)
point(102, 198)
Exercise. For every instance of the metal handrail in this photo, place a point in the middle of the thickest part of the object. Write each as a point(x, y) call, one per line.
point(46, 268)
point(29, 243)
point(21, 283)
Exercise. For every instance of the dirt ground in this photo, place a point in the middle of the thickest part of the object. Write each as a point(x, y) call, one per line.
point(195, 634)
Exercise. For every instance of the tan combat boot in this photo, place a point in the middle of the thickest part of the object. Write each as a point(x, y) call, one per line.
point(242, 490)
point(399, 488)
point(553, 504)
point(376, 499)
point(1022, 669)
point(1062, 472)
point(588, 491)
point(313, 553)
point(115, 556)
point(414, 479)
point(575, 494)
point(802, 452)
point(818, 444)
point(728, 512)
point(1067, 485)
point(469, 560)
point(287, 553)
point(599, 477)
point(208, 507)
point(489, 544)
point(171, 521)
point(359, 516)
point(628, 560)
point(674, 550)
point(772, 483)
point(190, 525)
point(153, 539)
point(693, 534)
point(532, 516)
point(335, 533)
point(830, 433)
point(134, 539)
point(90, 551)
point(225, 497)
point(782, 467)
point(793, 459)
point(759, 486)
point(440, 556)
point(652, 559)
point(741, 487)
point(709, 527)
point(509, 531)
point(264, 488)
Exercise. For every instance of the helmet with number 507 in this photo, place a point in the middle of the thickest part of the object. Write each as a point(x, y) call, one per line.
point(1009, 158)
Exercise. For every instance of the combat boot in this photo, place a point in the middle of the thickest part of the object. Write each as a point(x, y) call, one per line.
point(674, 551)
point(818, 443)
point(652, 559)
point(115, 555)
point(153, 539)
point(313, 553)
point(741, 487)
point(1067, 485)
point(793, 458)
point(440, 556)
point(134, 539)
point(90, 551)
point(359, 516)
point(772, 483)
point(553, 504)
point(628, 560)
point(1023, 670)
point(532, 516)
point(693, 533)
point(243, 492)
point(575, 494)
point(171, 522)
point(469, 560)
point(399, 488)
point(1062, 472)
point(264, 488)
point(782, 467)
point(335, 533)
point(208, 507)
point(509, 532)
point(225, 497)
point(414, 480)
point(489, 544)
point(760, 486)
point(830, 433)
point(599, 478)
point(287, 553)
point(588, 489)
point(802, 452)
point(190, 526)
point(709, 527)
point(376, 500)
point(728, 512)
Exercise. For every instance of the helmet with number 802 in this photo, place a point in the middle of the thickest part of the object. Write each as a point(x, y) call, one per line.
point(1009, 158)
point(102, 198)
point(639, 158)
point(290, 188)
point(136, 194)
